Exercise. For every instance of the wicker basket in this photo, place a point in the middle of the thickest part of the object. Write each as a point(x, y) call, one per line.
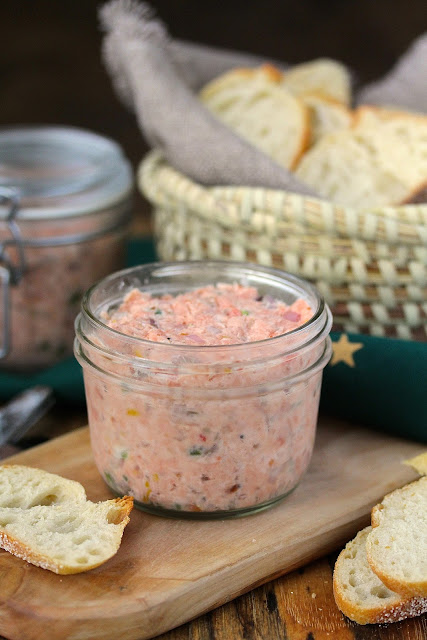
point(371, 266)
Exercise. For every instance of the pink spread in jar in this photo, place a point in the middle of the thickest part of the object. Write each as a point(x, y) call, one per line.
point(203, 401)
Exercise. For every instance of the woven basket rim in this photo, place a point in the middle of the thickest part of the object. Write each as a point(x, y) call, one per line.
point(258, 208)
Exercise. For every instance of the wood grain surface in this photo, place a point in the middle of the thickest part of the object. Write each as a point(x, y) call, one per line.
point(170, 571)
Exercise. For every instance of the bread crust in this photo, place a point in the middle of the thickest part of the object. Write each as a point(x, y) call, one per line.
point(408, 588)
point(392, 609)
point(289, 143)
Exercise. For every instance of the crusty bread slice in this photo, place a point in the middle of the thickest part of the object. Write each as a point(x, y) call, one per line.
point(254, 105)
point(65, 538)
point(397, 545)
point(26, 487)
point(47, 520)
point(361, 595)
point(378, 162)
point(326, 116)
point(321, 76)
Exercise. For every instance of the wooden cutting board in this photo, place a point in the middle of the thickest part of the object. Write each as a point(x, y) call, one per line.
point(168, 571)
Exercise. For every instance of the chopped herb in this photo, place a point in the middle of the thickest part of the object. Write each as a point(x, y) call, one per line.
point(109, 478)
point(177, 506)
point(158, 312)
point(244, 312)
point(124, 455)
point(195, 452)
point(125, 478)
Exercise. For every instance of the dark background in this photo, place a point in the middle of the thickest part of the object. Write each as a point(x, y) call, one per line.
point(51, 71)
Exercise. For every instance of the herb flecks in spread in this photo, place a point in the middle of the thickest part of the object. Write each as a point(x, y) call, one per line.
point(222, 314)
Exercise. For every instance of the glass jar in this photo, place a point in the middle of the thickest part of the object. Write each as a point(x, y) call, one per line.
point(65, 207)
point(202, 431)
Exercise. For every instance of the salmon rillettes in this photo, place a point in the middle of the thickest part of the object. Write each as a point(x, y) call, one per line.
point(205, 414)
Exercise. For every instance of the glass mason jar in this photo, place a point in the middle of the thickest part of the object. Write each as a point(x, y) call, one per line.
point(202, 431)
point(65, 206)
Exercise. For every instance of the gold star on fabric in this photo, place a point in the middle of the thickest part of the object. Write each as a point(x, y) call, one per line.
point(343, 351)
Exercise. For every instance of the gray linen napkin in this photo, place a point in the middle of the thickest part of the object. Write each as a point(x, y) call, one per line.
point(136, 52)
point(157, 77)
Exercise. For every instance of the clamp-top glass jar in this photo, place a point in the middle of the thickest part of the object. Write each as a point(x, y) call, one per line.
point(65, 197)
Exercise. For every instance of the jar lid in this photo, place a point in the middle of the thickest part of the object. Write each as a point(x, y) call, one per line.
point(61, 171)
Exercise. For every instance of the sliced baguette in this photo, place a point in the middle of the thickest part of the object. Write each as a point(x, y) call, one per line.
point(26, 487)
point(253, 103)
point(326, 116)
point(65, 538)
point(321, 76)
point(46, 520)
point(397, 545)
point(361, 595)
point(378, 162)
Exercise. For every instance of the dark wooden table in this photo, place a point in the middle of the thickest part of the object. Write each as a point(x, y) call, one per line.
point(296, 606)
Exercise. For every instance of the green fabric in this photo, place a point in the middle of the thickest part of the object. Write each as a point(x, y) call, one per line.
point(385, 389)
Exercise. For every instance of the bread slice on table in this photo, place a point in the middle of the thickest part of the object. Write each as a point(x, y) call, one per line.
point(377, 162)
point(361, 595)
point(322, 76)
point(26, 487)
point(397, 545)
point(46, 520)
point(254, 105)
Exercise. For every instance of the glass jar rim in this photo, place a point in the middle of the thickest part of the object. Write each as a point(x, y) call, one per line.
point(61, 171)
point(163, 267)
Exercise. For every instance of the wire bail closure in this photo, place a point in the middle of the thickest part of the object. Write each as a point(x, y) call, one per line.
point(11, 270)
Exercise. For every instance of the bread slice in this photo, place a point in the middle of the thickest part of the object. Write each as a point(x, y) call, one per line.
point(26, 487)
point(254, 105)
point(46, 520)
point(361, 595)
point(322, 76)
point(397, 545)
point(65, 538)
point(326, 116)
point(377, 162)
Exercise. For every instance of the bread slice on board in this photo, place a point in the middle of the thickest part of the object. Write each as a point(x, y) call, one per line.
point(361, 595)
point(26, 487)
point(254, 105)
point(65, 538)
point(397, 545)
point(321, 76)
point(46, 520)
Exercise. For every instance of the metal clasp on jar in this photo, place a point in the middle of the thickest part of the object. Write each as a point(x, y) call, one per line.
point(11, 271)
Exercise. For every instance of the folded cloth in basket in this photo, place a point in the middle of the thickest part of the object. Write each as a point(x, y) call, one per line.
point(157, 77)
point(172, 119)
